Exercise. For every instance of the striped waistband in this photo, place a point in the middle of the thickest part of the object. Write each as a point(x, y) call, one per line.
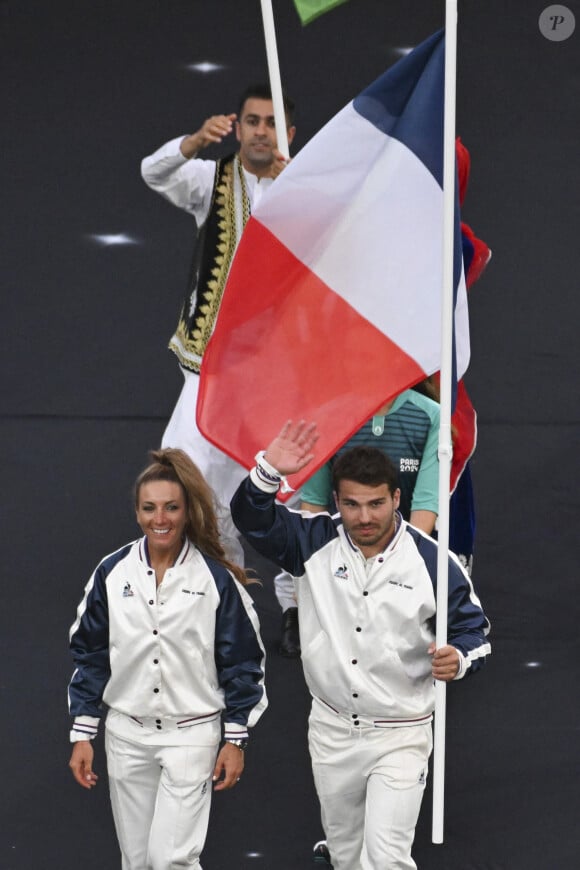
point(172, 723)
point(354, 720)
point(171, 730)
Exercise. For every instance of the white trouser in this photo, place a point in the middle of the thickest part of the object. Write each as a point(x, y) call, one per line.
point(160, 797)
point(220, 471)
point(370, 783)
point(284, 590)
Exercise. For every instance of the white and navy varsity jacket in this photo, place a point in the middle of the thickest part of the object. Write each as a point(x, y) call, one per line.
point(189, 649)
point(365, 628)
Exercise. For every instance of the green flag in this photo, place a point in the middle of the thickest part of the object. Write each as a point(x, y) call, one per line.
point(308, 10)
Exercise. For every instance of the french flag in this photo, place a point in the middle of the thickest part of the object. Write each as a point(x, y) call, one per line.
point(333, 302)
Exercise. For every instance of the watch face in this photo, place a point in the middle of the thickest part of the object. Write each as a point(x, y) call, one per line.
point(241, 744)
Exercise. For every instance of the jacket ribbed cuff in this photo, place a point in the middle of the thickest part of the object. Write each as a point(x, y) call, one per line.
point(84, 728)
point(235, 731)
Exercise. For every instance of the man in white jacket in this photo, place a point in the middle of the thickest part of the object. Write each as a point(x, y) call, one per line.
point(366, 592)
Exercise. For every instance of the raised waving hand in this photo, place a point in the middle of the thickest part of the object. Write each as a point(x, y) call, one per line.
point(292, 448)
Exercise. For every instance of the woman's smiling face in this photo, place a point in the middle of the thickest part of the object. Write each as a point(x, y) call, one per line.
point(162, 515)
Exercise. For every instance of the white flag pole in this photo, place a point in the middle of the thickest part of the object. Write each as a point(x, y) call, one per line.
point(445, 451)
point(274, 74)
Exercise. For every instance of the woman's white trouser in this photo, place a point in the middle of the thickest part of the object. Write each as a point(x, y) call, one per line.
point(370, 783)
point(220, 471)
point(160, 797)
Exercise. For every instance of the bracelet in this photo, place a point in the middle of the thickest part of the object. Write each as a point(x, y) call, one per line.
point(266, 472)
point(240, 743)
point(269, 475)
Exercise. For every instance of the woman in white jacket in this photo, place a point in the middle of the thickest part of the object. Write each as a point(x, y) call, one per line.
point(167, 638)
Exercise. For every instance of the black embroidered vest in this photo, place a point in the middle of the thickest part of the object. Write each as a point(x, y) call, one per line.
point(216, 244)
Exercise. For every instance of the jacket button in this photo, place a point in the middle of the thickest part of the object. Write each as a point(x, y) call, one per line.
point(156, 690)
point(151, 601)
point(358, 628)
point(354, 662)
point(355, 694)
point(155, 631)
point(155, 661)
point(365, 593)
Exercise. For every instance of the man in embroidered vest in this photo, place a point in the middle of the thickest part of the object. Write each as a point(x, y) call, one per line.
point(219, 194)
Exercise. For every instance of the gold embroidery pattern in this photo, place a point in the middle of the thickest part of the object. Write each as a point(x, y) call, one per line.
point(189, 345)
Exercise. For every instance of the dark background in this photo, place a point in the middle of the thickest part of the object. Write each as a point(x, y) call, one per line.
point(89, 88)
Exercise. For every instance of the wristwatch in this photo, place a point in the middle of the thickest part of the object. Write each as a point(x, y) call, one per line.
point(240, 743)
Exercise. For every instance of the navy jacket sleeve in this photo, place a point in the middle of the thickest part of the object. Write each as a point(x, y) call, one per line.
point(284, 536)
point(89, 644)
point(467, 624)
point(239, 655)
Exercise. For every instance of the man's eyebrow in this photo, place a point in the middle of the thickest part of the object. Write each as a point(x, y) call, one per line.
point(254, 116)
point(379, 499)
